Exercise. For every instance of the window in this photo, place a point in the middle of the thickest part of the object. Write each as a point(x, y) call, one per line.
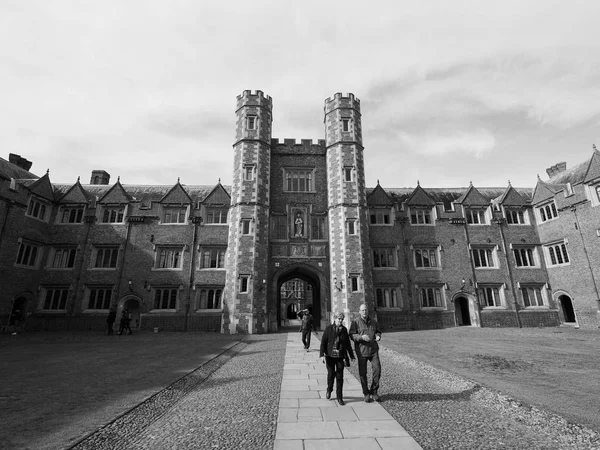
point(37, 209)
point(532, 295)
point(318, 228)
point(210, 298)
point(431, 297)
point(345, 124)
point(386, 297)
point(169, 258)
point(99, 298)
point(515, 216)
point(351, 226)
point(244, 281)
point(299, 180)
point(420, 216)
point(248, 173)
point(448, 205)
point(425, 257)
point(106, 257)
point(547, 212)
point(490, 295)
point(483, 257)
point(71, 214)
point(213, 258)
point(251, 122)
point(55, 298)
point(279, 227)
point(28, 254)
point(113, 214)
point(174, 214)
point(348, 174)
point(165, 298)
point(476, 216)
point(246, 226)
point(354, 284)
point(384, 257)
point(556, 254)
point(63, 258)
point(215, 216)
point(525, 257)
point(380, 217)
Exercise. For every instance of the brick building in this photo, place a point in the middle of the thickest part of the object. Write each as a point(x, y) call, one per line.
point(298, 228)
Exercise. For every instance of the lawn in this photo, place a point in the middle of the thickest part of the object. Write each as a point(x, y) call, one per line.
point(555, 369)
point(57, 387)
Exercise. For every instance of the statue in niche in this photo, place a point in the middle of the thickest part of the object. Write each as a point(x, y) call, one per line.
point(298, 225)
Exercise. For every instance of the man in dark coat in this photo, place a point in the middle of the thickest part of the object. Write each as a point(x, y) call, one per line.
point(110, 320)
point(306, 327)
point(365, 333)
point(335, 348)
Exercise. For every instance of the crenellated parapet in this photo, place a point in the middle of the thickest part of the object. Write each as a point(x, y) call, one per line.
point(341, 101)
point(254, 98)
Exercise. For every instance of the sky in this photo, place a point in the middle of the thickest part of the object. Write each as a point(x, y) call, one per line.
point(451, 92)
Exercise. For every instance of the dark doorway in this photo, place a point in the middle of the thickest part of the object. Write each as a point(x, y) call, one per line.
point(567, 308)
point(461, 309)
point(18, 314)
point(298, 289)
point(133, 305)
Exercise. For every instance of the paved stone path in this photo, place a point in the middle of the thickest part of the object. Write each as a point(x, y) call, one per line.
point(307, 420)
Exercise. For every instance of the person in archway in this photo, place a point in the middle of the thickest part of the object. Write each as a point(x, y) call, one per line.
point(335, 349)
point(306, 327)
point(110, 321)
point(15, 318)
point(365, 333)
point(124, 323)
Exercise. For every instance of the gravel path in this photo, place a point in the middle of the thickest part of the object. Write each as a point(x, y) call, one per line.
point(442, 411)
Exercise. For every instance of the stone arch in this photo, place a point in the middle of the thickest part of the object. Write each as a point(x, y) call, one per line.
point(310, 275)
point(566, 308)
point(466, 309)
point(133, 303)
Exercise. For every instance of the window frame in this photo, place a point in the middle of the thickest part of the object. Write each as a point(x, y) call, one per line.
point(481, 212)
point(43, 211)
point(246, 228)
point(94, 257)
point(216, 254)
point(429, 249)
point(435, 289)
point(352, 227)
point(34, 252)
point(492, 256)
point(177, 255)
point(497, 295)
point(121, 211)
point(71, 259)
point(389, 301)
point(244, 284)
point(346, 124)
point(166, 289)
point(387, 252)
point(545, 210)
point(380, 217)
point(308, 178)
point(63, 299)
point(251, 122)
point(552, 255)
point(534, 257)
point(249, 172)
point(213, 212)
point(534, 288)
point(320, 223)
point(279, 227)
point(70, 209)
point(217, 292)
point(521, 216)
point(179, 208)
point(88, 297)
point(416, 214)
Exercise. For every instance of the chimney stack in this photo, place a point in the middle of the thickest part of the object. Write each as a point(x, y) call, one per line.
point(19, 161)
point(556, 169)
point(100, 177)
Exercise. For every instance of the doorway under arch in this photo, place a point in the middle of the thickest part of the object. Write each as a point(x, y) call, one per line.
point(298, 288)
point(461, 310)
point(133, 305)
point(566, 305)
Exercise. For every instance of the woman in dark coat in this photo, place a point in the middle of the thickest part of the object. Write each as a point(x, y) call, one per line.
point(335, 348)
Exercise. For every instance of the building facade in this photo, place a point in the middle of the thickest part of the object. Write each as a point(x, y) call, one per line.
point(298, 228)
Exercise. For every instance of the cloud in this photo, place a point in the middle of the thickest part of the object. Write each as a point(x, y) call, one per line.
point(474, 143)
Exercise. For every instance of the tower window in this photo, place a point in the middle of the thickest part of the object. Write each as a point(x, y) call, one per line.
point(348, 174)
point(248, 173)
point(345, 124)
point(251, 122)
point(352, 226)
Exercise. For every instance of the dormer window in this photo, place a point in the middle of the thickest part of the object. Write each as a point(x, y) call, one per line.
point(38, 209)
point(380, 217)
point(476, 216)
point(547, 212)
point(113, 214)
point(174, 214)
point(420, 216)
point(515, 216)
point(251, 122)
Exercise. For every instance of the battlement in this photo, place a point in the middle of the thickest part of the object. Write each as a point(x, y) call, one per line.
point(251, 98)
point(341, 101)
point(302, 143)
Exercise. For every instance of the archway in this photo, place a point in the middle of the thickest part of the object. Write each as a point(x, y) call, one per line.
point(297, 288)
point(461, 310)
point(567, 308)
point(132, 303)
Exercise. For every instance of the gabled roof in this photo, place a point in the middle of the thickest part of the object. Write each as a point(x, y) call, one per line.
point(593, 169)
point(176, 196)
point(575, 174)
point(473, 198)
point(75, 195)
point(116, 194)
point(378, 196)
point(42, 188)
point(420, 197)
point(511, 198)
point(544, 191)
point(442, 195)
point(218, 196)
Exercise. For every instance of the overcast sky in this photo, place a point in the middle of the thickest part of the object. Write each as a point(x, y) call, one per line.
point(451, 91)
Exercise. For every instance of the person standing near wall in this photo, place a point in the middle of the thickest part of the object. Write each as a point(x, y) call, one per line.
point(110, 321)
point(306, 327)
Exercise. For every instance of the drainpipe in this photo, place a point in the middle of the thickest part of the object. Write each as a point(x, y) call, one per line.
point(587, 256)
point(196, 221)
point(500, 222)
